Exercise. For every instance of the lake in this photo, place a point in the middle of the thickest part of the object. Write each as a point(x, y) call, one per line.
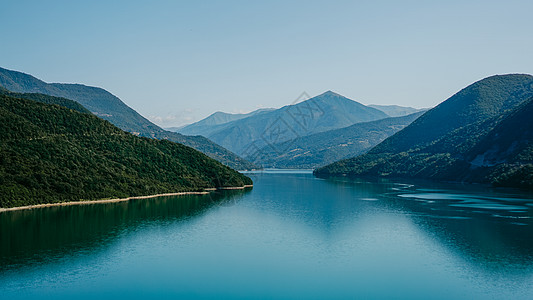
point(291, 236)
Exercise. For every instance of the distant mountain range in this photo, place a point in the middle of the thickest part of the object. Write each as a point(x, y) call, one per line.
point(107, 106)
point(308, 134)
point(396, 110)
point(481, 134)
point(267, 127)
point(56, 151)
point(319, 149)
point(208, 125)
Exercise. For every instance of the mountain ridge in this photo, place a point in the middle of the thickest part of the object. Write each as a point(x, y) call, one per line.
point(216, 118)
point(50, 153)
point(109, 107)
point(450, 118)
point(323, 112)
point(442, 143)
point(397, 110)
point(319, 149)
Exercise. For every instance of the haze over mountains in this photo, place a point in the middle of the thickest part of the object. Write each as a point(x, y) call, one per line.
point(319, 149)
point(481, 134)
point(243, 133)
point(107, 106)
point(308, 134)
point(396, 110)
point(266, 127)
point(209, 124)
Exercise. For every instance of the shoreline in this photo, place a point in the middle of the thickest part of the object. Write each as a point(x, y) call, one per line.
point(115, 200)
point(234, 187)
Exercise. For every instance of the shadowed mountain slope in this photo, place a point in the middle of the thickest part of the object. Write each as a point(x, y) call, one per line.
point(323, 148)
point(318, 114)
point(481, 134)
point(109, 107)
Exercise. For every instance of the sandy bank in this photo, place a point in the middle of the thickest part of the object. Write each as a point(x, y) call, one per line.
point(207, 191)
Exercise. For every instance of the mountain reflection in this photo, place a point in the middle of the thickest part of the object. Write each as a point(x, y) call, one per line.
point(37, 235)
point(327, 206)
point(489, 228)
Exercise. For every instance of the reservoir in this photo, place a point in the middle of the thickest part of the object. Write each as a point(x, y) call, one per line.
point(291, 236)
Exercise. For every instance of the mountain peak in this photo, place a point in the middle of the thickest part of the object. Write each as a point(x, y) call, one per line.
point(330, 93)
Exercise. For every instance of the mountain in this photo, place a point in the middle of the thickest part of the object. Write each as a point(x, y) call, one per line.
point(46, 99)
point(505, 155)
point(206, 126)
point(321, 113)
point(477, 135)
point(323, 148)
point(396, 110)
point(175, 128)
point(50, 153)
point(109, 107)
point(478, 102)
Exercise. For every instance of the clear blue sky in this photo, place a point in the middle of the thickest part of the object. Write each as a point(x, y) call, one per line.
point(179, 61)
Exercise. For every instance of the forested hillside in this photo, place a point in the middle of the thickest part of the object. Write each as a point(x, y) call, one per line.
point(50, 153)
point(109, 107)
point(324, 112)
point(481, 134)
point(47, 99)
point(323, 148)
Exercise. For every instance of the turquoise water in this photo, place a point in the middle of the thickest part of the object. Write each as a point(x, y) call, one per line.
point(291, 236)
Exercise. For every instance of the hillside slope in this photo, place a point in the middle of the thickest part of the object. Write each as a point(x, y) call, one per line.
point(47, 100)
point(505, 154)
point(109, 107)
point(482, 100)
point(321, 113)
point(455, 140)
point(323, 148)
point(206, 126)
point(50, 153)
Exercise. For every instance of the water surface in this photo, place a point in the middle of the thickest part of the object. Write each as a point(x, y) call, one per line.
point(291, 236)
